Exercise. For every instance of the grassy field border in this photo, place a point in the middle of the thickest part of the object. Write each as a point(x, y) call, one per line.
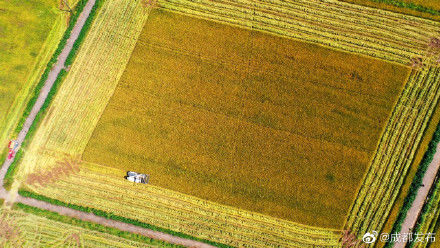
point(111, 216)
point(9, 176)
point(428, 206)
point(71, 56)
point(401, 7)
point(416, 183)
point(90, 225)
point(412, 6)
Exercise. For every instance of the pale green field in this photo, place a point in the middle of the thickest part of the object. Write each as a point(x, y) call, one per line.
point(29, 34)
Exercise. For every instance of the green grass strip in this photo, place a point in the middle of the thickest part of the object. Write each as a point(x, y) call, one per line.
point(9, 176)
point(416, 183)
point(82, 35)
point(412, 6)
point(428, 208)
point(91, 226)
point(112, 216)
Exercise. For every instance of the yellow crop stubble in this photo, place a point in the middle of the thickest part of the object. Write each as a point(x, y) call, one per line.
point(90, 82)
point(37, 231)
point(351, 28)
point(101, 186)
point(395, 151)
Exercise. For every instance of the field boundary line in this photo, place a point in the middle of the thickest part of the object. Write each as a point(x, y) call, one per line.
point(66, 211)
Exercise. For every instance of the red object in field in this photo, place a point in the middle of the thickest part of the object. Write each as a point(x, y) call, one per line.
point(11, 154)
point(13, 145)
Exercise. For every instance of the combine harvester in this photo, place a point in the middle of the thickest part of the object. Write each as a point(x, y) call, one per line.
point(137, 177)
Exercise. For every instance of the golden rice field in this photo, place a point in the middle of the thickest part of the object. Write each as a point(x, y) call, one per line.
point(258, 122)
point(101, 187)
point(373, 32)
point(91, 81)
point(413, 110)
point(97, 69)
point(29, 34)
point(435, 244)
point(33, 231)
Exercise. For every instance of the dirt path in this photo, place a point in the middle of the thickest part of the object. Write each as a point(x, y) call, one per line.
point(63, 210)
point(53, 74)
point(422, 194)
point(111, 223)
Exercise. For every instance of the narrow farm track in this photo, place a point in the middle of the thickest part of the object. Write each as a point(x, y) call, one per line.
point(39, 231)
point(53, 75)
point(422, 194)
point(110, 223)
point(63, 210)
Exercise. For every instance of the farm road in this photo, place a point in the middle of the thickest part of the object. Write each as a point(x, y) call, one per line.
point(422, 194)
point(56, 69)
point(111, 223)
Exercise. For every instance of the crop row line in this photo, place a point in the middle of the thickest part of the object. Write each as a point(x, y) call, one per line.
point(318, 24)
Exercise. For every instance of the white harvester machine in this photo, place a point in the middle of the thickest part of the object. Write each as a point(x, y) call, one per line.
point(137, 177)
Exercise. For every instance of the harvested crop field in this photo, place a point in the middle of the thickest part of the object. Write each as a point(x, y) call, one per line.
point(246, 119)
point(33, 228)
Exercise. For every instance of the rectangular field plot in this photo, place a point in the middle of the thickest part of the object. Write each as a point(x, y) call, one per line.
point(242, 118)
